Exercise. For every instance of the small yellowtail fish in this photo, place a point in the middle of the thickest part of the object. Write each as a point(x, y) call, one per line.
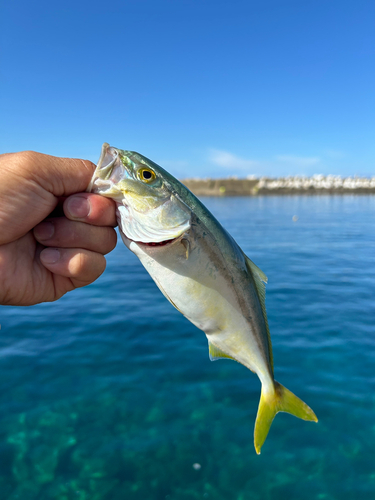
point(199, 268)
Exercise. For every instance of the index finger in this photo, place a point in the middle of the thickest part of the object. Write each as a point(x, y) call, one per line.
point(91, 208)
point(31, 185)
point(58, 176)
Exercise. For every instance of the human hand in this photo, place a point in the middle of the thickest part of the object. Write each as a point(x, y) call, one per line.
point(43, 256)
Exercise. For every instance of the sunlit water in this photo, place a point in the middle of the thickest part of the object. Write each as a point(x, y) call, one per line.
point(109, 394)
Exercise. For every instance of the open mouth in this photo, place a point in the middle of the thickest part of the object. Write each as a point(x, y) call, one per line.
point(105, 172)
point(106, 161)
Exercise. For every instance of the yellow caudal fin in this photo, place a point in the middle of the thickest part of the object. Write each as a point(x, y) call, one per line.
point(270, 404)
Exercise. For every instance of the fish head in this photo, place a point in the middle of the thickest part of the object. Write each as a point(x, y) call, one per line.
point(148, 210)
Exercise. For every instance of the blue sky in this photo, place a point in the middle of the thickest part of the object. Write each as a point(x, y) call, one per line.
point(204, 88)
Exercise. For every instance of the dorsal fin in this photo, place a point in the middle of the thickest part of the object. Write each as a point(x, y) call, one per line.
point(216, 353)
point(260, 279)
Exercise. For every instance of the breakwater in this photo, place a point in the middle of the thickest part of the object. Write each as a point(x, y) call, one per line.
point(317, 184)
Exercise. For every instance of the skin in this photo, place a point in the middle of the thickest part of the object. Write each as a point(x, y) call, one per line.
point(53, 235)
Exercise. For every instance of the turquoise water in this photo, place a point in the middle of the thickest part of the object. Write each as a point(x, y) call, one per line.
point(109, 393)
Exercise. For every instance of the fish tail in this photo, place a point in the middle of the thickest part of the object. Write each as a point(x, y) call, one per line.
point(270, 404)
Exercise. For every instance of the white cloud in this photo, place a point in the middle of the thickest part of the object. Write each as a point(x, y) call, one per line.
point(275, 166)
point(231, 161)
point(298, 161)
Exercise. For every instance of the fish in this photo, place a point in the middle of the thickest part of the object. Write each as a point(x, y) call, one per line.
point(199, 268)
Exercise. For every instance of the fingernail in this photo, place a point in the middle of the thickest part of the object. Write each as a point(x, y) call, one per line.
point(78, 207)
point(50, 255)
point(44, 230)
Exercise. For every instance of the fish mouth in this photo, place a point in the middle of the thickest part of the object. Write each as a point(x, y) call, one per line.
point(105, 173)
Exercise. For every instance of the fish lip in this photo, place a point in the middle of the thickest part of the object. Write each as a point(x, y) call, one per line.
point(106, 162)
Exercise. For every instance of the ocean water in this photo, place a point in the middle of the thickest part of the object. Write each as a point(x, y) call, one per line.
point(109, 394)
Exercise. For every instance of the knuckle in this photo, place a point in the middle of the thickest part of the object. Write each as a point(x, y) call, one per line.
point(27, 158)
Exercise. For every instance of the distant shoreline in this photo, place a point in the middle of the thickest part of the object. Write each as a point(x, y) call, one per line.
point(315, 185)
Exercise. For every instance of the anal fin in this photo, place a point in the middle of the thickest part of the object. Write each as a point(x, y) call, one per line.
point(216, 353)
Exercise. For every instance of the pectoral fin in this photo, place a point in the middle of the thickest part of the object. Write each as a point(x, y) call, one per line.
point(186, 244)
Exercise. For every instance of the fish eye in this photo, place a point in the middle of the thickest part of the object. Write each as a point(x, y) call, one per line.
point(146, 175)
